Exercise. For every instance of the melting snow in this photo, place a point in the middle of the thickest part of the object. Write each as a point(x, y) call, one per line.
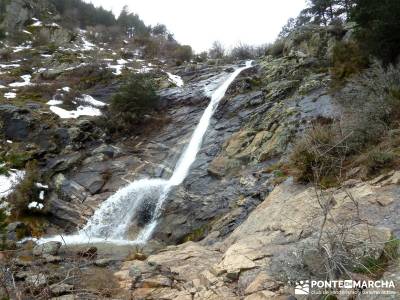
point(144, 70)
point(2, 86)
point(87, 45)
point(9, 66)
point(66, 89)
point(54, 102)
point(26, 81)
point(89, 99)
point(76, 67)
point(177, 80)
point(73, 114)
point(10, 95)
point(122, 61)
point(36, 24)
point(20, 48)
point(117, 69)
point(40, 185)
point(35, 204)
point(26, 31)
point(7, 183)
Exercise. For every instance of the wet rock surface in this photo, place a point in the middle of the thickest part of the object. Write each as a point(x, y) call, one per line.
point(250, 129)
point(259, 258)
point(233, 229)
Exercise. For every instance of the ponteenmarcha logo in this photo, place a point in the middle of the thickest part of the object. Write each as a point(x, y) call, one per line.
point(302, 287)
point(307, 287)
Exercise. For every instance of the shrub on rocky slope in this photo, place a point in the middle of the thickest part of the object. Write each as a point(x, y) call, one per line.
point(364, 137)
point(136, 98)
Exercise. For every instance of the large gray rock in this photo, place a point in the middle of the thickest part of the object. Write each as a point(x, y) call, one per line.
point(16, 122)
point(276, 244)
point(39, 279)
point(16, 231)
point(49, 248)
point(68, 215)
point(17, 13)
point(60, 288)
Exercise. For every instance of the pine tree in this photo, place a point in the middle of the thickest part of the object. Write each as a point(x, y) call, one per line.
point(131, 24)
point(379, 27)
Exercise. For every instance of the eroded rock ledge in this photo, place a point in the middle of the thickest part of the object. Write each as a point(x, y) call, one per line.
point(278, 243)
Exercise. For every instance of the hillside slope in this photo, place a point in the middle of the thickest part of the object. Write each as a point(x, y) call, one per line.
point(272, 198)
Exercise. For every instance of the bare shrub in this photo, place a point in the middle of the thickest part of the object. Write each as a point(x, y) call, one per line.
point(87, 281)
point(136, 99)
point(342, 247)
point(371, 103)
point(183, 53)
point(26, 191)
point(345, 245)
point(347, 60)
point(216, 51)
point(276, 49)
point(321, 153)
point(242, 51)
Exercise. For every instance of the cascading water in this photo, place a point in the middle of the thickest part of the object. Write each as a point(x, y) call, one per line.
point(112, 219)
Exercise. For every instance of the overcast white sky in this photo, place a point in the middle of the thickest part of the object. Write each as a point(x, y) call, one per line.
point(199, 23)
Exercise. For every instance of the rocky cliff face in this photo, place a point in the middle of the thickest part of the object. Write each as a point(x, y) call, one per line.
point(254, 127)
point(19, 13)
point(237, 228)
point(275, 245)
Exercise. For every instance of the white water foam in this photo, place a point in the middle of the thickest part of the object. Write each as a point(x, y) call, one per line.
point(112, 219)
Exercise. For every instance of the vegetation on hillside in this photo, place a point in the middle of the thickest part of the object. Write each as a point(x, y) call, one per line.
point(135, 100)
point(84, 14)
point(101, 26)
point(377, 26)
point(367, 138)
point(26, 191)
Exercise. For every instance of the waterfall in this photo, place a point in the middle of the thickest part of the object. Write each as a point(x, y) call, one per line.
point(112, 219)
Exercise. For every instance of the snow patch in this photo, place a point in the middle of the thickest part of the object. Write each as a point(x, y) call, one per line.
point(117, 69)
point(90, 100)
point(26, 81)
point(37, 24)
point(73, 114)
point(175, 79)
point(10, 66)
point(21, 48)
point(35, 204)
point(41, 186)
point(122, 61)
point(10, 95)
point(76, 67)
point(144, 70)
point(7, 183)
point(54, 102)
point(87, 45)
